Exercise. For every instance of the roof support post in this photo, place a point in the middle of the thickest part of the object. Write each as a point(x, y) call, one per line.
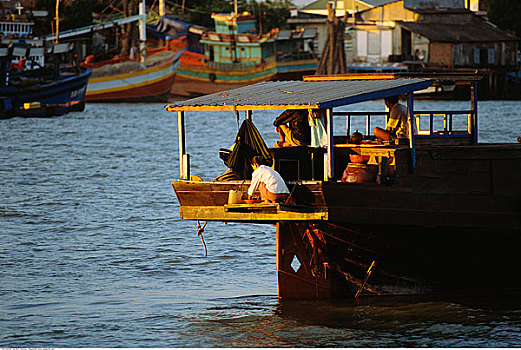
point(474, 107)
point(330, 159)
point(412, 128)
point(249, 114)
point(183, 159)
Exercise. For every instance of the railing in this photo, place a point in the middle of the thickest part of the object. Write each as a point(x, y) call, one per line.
point(431, 132)
point(367, 116)
point(447, 130)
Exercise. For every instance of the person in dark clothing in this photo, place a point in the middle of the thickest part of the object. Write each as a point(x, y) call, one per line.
point(293, 128)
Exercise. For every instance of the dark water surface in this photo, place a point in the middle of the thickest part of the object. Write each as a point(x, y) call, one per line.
point(93, 253)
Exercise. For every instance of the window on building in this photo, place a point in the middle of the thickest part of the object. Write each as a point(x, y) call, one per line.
point(491, 56)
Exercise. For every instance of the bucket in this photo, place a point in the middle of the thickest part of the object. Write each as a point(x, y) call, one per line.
point(234, 197)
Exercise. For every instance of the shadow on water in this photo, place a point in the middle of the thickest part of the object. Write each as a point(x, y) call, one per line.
point(489, 319)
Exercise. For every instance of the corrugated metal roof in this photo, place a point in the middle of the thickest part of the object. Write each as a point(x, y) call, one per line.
point(472, 31)
point(301, 94)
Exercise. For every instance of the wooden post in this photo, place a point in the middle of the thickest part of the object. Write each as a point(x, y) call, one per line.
point(331, 33)
point(330, 158)
point(249, 114)
point(181, 135)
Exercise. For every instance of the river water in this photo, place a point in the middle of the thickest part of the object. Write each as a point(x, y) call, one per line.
point(93, 252)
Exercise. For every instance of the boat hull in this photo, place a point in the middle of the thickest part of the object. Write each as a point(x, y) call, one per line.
point(144, 85)
point(59, 97)
point(452, 224)
point(196, 78)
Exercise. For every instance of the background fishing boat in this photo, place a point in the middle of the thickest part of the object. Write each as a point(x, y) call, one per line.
point(235, 55)
point(143, 71)
point(150, 80)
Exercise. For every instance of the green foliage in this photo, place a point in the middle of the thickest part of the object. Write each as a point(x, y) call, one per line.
point(505, 14)
point(78, 14)
point(273, 15)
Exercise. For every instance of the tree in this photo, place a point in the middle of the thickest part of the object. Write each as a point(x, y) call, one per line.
point(505, 14)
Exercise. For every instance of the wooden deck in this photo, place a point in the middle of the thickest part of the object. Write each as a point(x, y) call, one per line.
point(265, 213)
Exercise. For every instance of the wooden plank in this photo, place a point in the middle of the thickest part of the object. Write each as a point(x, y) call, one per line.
point(360, 76)
point(218, 213)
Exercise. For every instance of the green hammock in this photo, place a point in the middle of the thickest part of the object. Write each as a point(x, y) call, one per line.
point(248, 143)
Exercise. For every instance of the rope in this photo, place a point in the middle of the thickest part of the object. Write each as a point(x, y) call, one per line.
point(200, 230)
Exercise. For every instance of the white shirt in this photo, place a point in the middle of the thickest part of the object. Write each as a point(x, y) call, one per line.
point(272, 179)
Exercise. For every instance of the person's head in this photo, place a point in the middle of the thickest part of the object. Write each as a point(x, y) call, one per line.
point(256, 162)
point(391, 101)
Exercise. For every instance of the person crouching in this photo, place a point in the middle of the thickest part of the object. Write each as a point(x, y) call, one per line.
point(270, 184)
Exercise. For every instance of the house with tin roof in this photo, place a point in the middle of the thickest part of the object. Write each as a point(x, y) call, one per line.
point(425, 37)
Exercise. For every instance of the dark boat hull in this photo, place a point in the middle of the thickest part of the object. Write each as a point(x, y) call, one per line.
point(335, 260)
point(57, 97)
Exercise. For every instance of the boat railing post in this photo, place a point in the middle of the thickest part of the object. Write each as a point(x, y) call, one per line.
point(249, 114)
point(410, 116)
point(348, 124)
point(368, 124)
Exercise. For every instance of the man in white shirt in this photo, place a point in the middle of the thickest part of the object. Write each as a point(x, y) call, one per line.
point(270, 184)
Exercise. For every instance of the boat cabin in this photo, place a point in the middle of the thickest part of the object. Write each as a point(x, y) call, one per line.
point(319, 176)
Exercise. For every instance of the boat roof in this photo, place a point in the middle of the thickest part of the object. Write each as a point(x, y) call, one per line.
point(301, 94)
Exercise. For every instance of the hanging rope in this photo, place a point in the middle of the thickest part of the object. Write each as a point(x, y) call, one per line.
point(200, 230)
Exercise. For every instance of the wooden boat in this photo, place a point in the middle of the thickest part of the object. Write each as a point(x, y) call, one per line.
point(443, 214)
point(41, 92)
point(235, 56)
point(134, 81)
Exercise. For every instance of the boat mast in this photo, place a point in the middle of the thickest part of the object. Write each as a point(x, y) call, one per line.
point(162, 8)
point(142, 32)
point(57, 20)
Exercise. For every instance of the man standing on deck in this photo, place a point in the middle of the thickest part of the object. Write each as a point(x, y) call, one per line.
point(398, 123)
point(293, 128)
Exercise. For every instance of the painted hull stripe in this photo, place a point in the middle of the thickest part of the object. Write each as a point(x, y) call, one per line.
point(135, 81)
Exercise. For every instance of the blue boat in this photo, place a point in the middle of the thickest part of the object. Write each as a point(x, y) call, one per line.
point(45, 91)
